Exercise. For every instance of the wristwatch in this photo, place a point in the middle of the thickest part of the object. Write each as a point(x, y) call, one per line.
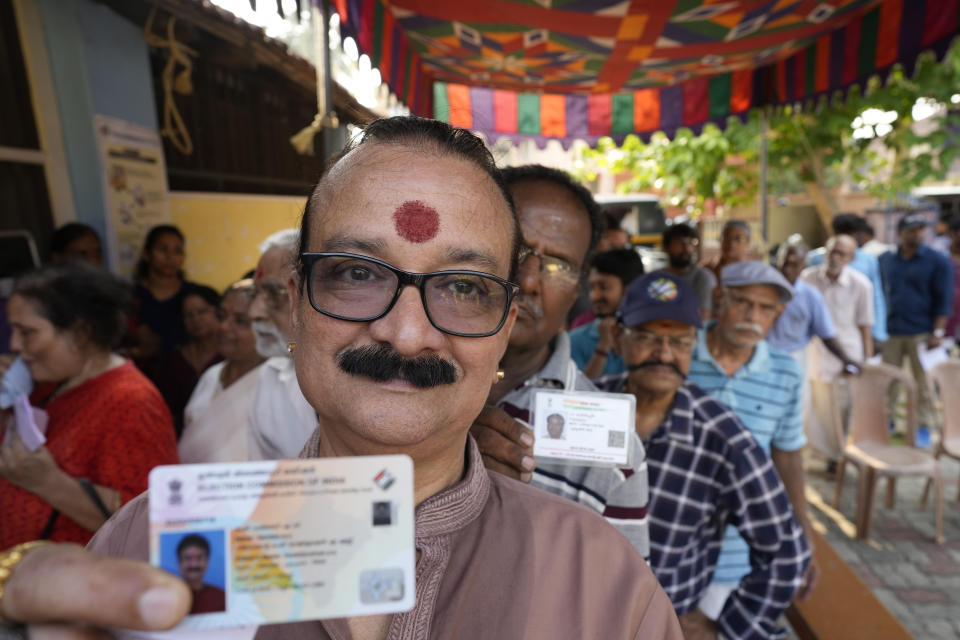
point(939, 333)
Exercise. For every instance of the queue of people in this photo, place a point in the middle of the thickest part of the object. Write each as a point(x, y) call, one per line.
point(703, 534)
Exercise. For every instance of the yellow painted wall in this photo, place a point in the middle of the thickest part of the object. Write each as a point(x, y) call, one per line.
point(223, 231)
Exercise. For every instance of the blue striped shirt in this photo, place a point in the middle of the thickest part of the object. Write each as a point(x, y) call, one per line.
point(766, 394)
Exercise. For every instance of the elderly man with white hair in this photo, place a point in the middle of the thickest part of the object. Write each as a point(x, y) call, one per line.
point(848, 295)
point(281, 419)
point(763, 385)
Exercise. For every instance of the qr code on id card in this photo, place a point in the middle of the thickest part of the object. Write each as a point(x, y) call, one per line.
point(615, 439)
point(381, 585)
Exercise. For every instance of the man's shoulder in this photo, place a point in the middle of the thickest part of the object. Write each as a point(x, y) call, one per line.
point(806, 290)
point(211, 589)
point(702, 273)
point(212, 374)
point(711, 415)
point(583, 334)
point(127, 533)
point(543, 513)
point(583, 383)
point(783, 363)
point(717, 428)
point(612, 382)
point(860, 280)
point(810, 274)
point(583, 329)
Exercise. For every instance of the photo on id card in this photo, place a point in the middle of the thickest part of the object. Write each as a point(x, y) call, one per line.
point(287, 540)
point(584, 427)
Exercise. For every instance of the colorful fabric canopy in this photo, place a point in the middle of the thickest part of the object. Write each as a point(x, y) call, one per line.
point(580, 69)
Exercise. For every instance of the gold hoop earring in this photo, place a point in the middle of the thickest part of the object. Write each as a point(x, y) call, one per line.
point(291, 346)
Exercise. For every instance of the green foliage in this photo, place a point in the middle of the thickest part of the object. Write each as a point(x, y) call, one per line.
point(689, 169)
point(807, 146)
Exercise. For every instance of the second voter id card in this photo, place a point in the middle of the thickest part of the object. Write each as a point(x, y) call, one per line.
point(590, 428)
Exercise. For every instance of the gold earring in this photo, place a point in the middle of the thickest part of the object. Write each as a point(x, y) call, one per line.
point(291, 346)
point(500, 375)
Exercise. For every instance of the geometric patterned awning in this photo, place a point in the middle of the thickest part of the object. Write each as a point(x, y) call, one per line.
point(594, 67)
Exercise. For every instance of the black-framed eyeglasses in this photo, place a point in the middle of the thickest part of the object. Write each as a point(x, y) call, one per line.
point(356, 288)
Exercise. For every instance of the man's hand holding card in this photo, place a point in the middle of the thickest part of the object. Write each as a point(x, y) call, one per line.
point(288, 540)
point(587, 428)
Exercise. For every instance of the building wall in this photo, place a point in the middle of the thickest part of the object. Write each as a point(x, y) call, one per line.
point(224, 231)
point(98, 64)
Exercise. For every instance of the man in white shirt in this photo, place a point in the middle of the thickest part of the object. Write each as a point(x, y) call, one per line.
point(849, 298)
point(281, 419)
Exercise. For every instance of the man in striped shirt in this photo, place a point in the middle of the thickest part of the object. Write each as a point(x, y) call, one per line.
point(705, 470)
point(763, 386)
point(561, 224)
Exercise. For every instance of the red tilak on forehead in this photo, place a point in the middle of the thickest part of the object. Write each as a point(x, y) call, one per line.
point(416, 221)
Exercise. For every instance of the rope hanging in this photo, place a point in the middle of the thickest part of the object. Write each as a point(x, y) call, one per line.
point(302, 141)
point(174, 128)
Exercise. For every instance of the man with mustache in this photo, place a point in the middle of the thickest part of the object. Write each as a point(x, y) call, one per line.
point(560, 224)
point(193, 557)
point(281, 419)
point(400, 320)
point(705, 471)
point(763, 386)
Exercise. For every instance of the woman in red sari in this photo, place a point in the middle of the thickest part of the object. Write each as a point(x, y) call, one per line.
point(108, 425)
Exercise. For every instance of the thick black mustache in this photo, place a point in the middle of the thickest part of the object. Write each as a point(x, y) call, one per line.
point(656, 363)
point(381, 363)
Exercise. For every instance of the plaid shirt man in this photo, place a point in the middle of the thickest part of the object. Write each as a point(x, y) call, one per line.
point(705, 471)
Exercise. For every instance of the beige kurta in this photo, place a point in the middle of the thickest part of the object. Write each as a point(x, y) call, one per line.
point(497, 559)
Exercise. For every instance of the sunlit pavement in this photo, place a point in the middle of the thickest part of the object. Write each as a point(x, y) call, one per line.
point(917, 579)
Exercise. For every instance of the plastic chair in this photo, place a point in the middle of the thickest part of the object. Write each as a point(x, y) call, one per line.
point(945, 381)
point(868, 446)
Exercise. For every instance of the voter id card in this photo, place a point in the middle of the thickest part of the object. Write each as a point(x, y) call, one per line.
point(583, 427)
point(286, 540)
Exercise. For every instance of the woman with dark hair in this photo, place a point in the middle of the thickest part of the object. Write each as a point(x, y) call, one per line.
point(107, 425)
point(177, 375)
point(76, 241)
point(159, 293)
point(217, 418)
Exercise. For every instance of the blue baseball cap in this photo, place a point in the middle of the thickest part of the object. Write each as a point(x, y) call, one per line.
point(659, 295)
point(748, 272)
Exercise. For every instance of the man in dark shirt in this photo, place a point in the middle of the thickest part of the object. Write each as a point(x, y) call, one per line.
point(918, 284)
point(705, 471)
point(193, 557)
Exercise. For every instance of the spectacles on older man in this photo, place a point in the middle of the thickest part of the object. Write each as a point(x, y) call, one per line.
point(357, 288)
point(275, 292)
point(551, 267)
point(648, 340)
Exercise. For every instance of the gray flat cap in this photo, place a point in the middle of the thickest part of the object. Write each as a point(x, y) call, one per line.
point(742, 274)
